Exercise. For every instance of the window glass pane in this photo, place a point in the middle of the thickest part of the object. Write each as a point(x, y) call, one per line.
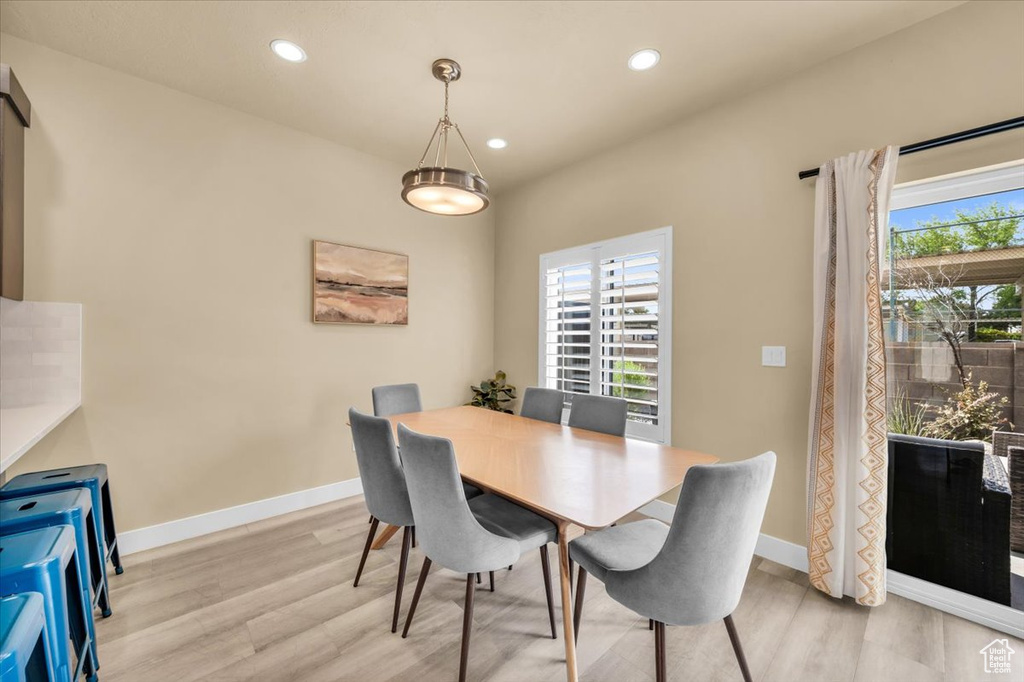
point(952, 276)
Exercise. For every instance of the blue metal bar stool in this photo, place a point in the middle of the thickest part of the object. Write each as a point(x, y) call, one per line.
point(25, 654)
point(71, 507)
point(44, 561)
point(91, 476)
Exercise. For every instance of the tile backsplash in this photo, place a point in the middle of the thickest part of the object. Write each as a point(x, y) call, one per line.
point(40, 353)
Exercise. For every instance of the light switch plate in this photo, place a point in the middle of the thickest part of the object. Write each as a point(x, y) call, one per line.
point(773, 356)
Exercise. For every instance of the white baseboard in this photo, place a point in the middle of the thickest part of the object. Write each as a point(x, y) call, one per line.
point(161, 534)
point(967, 606)
point(782, 552)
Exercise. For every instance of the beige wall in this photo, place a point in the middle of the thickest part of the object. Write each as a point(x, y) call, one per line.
point(726, 180)
point(184, 228)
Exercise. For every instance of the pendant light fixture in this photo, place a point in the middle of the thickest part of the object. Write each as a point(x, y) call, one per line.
point(438, 188)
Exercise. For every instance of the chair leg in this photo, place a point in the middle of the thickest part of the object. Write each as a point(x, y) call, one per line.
point(402, 563)
point(366, 550)
point(97, 566)
point(577, 612)
point(478, 580)
point(416, 596)
point(109, 530)
point(547, 589)
point(413, 529)
point(659, 652)
point(492, 581)
point(650, 623)
point(738, 648)
point(467, 624)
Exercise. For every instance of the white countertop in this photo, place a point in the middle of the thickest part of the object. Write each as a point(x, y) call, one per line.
point(23, 427)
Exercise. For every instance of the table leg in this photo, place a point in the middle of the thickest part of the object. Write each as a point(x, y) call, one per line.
point(382, 539)
point(563, 575)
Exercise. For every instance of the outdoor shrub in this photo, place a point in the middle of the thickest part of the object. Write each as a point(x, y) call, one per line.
point(990, 334)
point(630, 373)
point(907, 417)
point(970, 413)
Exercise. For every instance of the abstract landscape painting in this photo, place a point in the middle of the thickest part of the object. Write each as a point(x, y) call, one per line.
point(359, 286)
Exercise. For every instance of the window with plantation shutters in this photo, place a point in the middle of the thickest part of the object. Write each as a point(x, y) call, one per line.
point(605, 326)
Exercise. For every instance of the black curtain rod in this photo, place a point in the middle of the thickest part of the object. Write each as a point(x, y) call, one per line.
point(963, 136)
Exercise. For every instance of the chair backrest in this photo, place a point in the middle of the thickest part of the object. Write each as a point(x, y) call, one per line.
point(943, 503)
point(446, 530)
point(544, 404)
point(698, 575)
point(598, 413)
point(396, 399)
point(934, 500)
point(380, 469)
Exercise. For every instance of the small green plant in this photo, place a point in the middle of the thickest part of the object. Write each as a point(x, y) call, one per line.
point(971, 413)
point(494, 394)
point(907, 417)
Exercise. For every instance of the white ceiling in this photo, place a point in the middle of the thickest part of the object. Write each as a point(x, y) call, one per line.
point(550, 77)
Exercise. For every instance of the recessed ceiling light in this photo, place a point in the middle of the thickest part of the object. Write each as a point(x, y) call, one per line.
point(288, 51)
point(497, 143)
point(644, 59)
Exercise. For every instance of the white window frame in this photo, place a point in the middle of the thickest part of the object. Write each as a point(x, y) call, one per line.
point(964, 185)
point(660, 240)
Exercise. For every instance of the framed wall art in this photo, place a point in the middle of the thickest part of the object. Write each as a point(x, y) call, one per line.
point(353, 285)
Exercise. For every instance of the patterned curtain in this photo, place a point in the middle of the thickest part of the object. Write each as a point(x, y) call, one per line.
point(848, 449)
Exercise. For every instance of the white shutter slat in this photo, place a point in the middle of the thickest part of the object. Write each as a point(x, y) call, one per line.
point(634, 261)
point(632, 292)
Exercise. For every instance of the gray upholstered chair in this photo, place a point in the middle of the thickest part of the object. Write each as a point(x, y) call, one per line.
point(396, 399)
point(544, 404)
point(402, 399)
point(387, 497)
point(693, 572)
point(470, 537)
point(598, 413)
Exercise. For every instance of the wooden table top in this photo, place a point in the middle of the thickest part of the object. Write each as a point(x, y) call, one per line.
point(587, 478)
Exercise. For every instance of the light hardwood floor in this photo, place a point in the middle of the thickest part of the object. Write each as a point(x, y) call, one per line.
point(274, 601)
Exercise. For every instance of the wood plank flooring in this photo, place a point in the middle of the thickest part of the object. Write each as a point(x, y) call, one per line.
point(274, 601)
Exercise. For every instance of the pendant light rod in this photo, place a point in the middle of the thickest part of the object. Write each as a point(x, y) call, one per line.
point(429, 145)
point(446, 71)
point(468, 150)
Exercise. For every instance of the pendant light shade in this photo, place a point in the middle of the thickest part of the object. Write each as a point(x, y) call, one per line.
point(441, 189)
point(445, 191)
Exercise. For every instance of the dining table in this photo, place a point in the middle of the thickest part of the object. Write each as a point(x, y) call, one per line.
point(572, 476)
